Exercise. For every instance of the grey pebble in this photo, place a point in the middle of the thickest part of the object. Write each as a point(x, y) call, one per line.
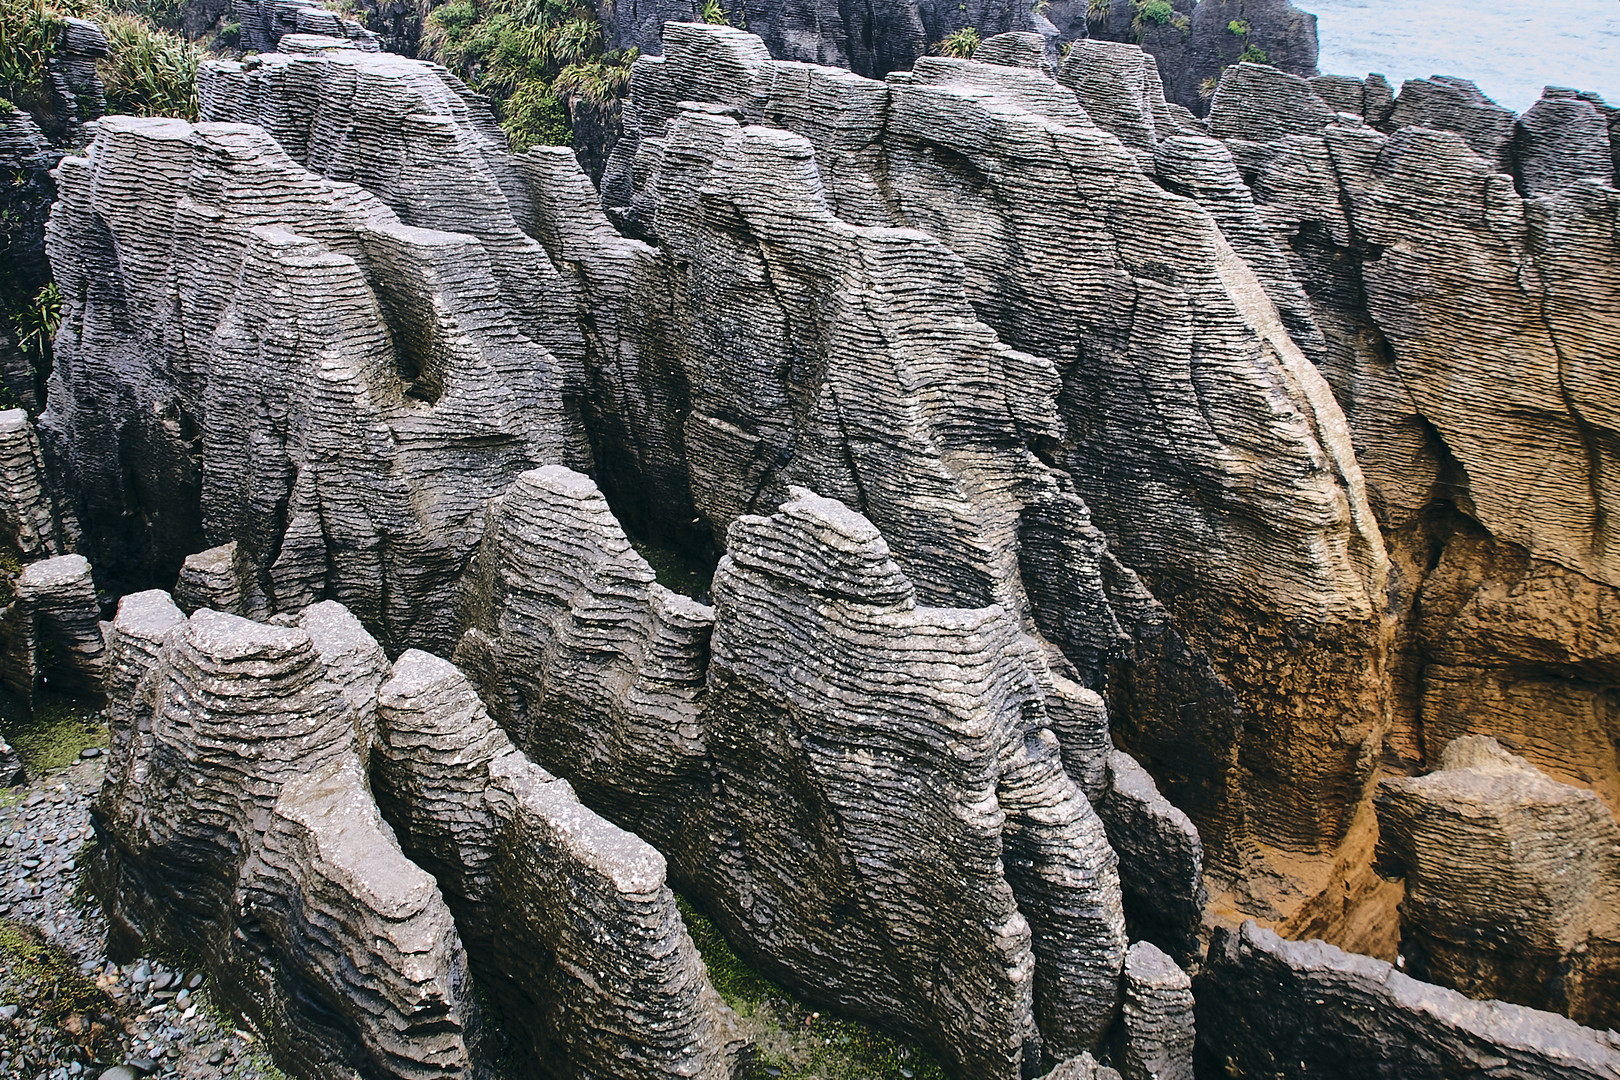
point(119, 1072)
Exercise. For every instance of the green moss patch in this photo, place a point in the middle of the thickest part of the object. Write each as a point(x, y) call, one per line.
point(45, 977)
point(59, 728)
point(793, 1040)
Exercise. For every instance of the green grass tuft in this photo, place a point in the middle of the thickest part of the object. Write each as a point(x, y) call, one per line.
point(962, 44)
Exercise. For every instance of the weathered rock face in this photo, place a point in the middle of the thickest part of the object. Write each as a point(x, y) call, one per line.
point(26, 160)
point(1274, 1008)
point(266, 22)
point(724, 366)
point(1157, 1029)
point(566, 917)
point(776, 668)
point(1470, 330)
point(28, 525)
point(870, 39)
point(983, 158)
point(237, 820)
point(52, 632)
point(352, 382)
point(1200, 40)
point(1512, 882)
point(805, 794)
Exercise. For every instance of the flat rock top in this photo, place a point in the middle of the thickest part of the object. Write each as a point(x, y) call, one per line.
point(334, 629)
point(1146, 963)
point(231, 637)
point(60, 570)
point(214, 558)
point(415, 673)
point(149, 614)
point(13, 420)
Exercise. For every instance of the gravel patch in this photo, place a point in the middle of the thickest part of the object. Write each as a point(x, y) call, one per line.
point(66, 1011)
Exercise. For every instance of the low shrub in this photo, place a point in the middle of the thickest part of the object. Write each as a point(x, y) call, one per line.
point(527, 56)
point(962, 44)
point(148, 72)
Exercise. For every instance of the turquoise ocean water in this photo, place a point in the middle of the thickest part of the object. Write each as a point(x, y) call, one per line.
point(1511, 48)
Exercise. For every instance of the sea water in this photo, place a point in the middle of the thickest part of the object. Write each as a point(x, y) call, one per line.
point(1511, 48)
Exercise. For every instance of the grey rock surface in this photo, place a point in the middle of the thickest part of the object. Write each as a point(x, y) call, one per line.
point(1274, 1008)
point(266, 22)
point(735, 756)
point(982, 159)
point(238, 824)
point(238, 821)
point(1512, 882)
point(53, 630)
point(1442, 251)
point(566, 917)
point(1157, 1018)
point(1196, 45)
point(28, 523)
point(354, 389)
point(214, 579)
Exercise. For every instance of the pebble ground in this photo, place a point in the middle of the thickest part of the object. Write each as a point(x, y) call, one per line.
point(66, 1011)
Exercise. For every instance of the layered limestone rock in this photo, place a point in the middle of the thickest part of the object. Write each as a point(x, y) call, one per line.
point(355, 385)
point(845, 821)
point(1512, 882)
point(430, 150)
point(1084, 1067)
point(871, 39)
point(971, 782)
point(1200, 40)
point(12, 772)
point(235, 821)
point(567, 918)
point(1470, 330)
point(1253, 529)
point(595, 670)
point(266, 22)
point(725, 365)
point(214, 579)
point(1157, 1029)
point(52, 632)
point(26, 159)
point(28, 525)
point(1274, 1008)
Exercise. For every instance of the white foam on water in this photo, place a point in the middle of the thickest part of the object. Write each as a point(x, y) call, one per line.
point(1511, 48)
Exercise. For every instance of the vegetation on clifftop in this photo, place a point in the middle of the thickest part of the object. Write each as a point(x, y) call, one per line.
point(148, 71)
point(528, 56)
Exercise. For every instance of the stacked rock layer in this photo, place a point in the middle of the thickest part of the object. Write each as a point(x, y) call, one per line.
point(1025, 415)
point(237, 820)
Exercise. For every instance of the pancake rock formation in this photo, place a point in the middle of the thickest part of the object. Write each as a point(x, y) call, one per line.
point(1512, 882)
point(237, 820)
point(1200, 439)
point(1305, 1009)
point(1087, 504)
point(848, 824)
point(295, 369)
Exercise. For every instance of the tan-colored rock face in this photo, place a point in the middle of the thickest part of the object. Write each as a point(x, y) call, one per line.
point(1512, 882)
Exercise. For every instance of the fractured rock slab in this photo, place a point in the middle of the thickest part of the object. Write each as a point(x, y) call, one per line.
point(1512, 882)
point(239, 824)
point(1304, 1009)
